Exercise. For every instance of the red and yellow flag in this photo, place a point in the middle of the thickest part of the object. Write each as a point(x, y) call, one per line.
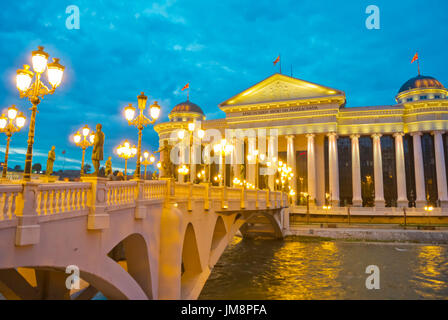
point(276, 60)
point(186, 86)
point(415, 57)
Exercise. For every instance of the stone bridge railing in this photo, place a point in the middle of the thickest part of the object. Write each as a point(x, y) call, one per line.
point(25, 206)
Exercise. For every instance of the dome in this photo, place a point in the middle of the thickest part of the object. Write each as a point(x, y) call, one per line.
point(186, 107)
point(421, 82)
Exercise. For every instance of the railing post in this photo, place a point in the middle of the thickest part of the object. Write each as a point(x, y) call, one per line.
point(243, 198)
point(140, 208)
point(28, 229)
point(98, 217)
point(224, 202)
point(206, 196)
point(190, 195)
point(268, 198)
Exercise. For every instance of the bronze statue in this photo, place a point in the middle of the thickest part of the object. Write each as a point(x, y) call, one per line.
point(165, 160)
point(242, 172)
point(266, 181)
point(50, 161)
point(97, 154)
point(108, 170)
point(154, 175)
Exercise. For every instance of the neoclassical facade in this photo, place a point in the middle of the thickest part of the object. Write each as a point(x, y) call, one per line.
point(375, 156)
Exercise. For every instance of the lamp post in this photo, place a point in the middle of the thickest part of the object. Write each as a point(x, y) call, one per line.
point(82, 141)
point(35, 91)
point(141, 121)
point(223, 148)
point(149, 159)
point(126, 152)
point(10, 125)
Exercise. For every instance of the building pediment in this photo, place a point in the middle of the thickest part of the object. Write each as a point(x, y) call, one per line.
point(278, 88)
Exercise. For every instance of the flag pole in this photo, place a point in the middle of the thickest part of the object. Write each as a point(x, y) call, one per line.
point(188, 93)
point(418, 65)
point(280, 60)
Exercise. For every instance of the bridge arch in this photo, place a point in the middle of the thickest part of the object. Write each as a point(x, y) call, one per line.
point(191, 262)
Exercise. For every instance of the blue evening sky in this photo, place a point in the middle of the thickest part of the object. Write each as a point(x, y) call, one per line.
point(219, 47)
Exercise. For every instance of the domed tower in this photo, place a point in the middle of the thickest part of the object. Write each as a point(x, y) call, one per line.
point(421, 88)
point(186, 111)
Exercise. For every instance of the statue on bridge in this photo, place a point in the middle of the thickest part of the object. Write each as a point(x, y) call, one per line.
point(242, 172)
point(108, 170)
point(165, 160)
point(97, 154)
point(50, 161)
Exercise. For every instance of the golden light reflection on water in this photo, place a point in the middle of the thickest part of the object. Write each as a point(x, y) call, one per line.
point(430, 264)
point(261, 269)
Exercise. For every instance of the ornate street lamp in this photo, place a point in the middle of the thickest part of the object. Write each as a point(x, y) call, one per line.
point(141, 121)
point(149, 159)
point(126, 152)
point(82, 141)
point(10, 125)
point(35, 91)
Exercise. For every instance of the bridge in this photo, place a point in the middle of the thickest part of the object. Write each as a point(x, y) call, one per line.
point(135, 239)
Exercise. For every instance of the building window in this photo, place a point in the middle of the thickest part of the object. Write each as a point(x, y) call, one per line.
point(409, 99)
point(436, 96)
point(429, 167)
point(423, 97)
point(345, 171)
point(367, 178)
point(389, 170)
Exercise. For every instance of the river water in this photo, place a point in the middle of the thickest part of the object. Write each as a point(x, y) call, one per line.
point(303, 268)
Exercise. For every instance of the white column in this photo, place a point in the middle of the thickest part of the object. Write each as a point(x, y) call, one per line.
point(291, 161)
point(182, 153)
point(378, 171)
point(356, 172)
point(440, 168)
point(420, 199)
point(252, 146)
point(272, 153)
point(236, 156)
point(402, 199)
point(311, 166)
point(333, 168)
point(193, 157)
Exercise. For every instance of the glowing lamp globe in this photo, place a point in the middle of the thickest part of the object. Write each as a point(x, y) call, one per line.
point(20, 120)
point(142, 100)
point(154, 111)
point(55, 71)
point(39, 60)
point(129, 112)
point(23, 78)
point(12, 112)
point(92, 138)
point(3, 122)
point(77, 137)
point(85, 131)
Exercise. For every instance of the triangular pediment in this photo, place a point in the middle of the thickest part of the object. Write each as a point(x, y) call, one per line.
point(279, 87)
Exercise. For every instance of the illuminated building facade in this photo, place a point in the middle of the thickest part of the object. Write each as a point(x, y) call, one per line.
point(375, 156)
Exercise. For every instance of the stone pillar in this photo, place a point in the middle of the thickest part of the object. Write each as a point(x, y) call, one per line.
point(420, 199)
point(440, 168)
point(402, 199)
point(192, 160)
point(272, 153)
point(311, 166)
point(333, 167)
point(252, 146)
point(291, 162)
point(236, 155)
point(356, 172)
point(181, 177)
point(378, 171)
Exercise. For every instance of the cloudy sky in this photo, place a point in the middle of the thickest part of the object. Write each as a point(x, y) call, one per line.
point(219, 47)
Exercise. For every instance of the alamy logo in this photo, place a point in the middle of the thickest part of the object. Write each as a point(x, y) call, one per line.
point(72, 21)
point(373, 280)
point(373, 20)
point(73, 280)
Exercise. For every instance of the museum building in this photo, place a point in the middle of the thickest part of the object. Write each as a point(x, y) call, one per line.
point(374, 156)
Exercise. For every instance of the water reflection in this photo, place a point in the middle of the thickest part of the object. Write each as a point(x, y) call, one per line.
point(261, 269)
